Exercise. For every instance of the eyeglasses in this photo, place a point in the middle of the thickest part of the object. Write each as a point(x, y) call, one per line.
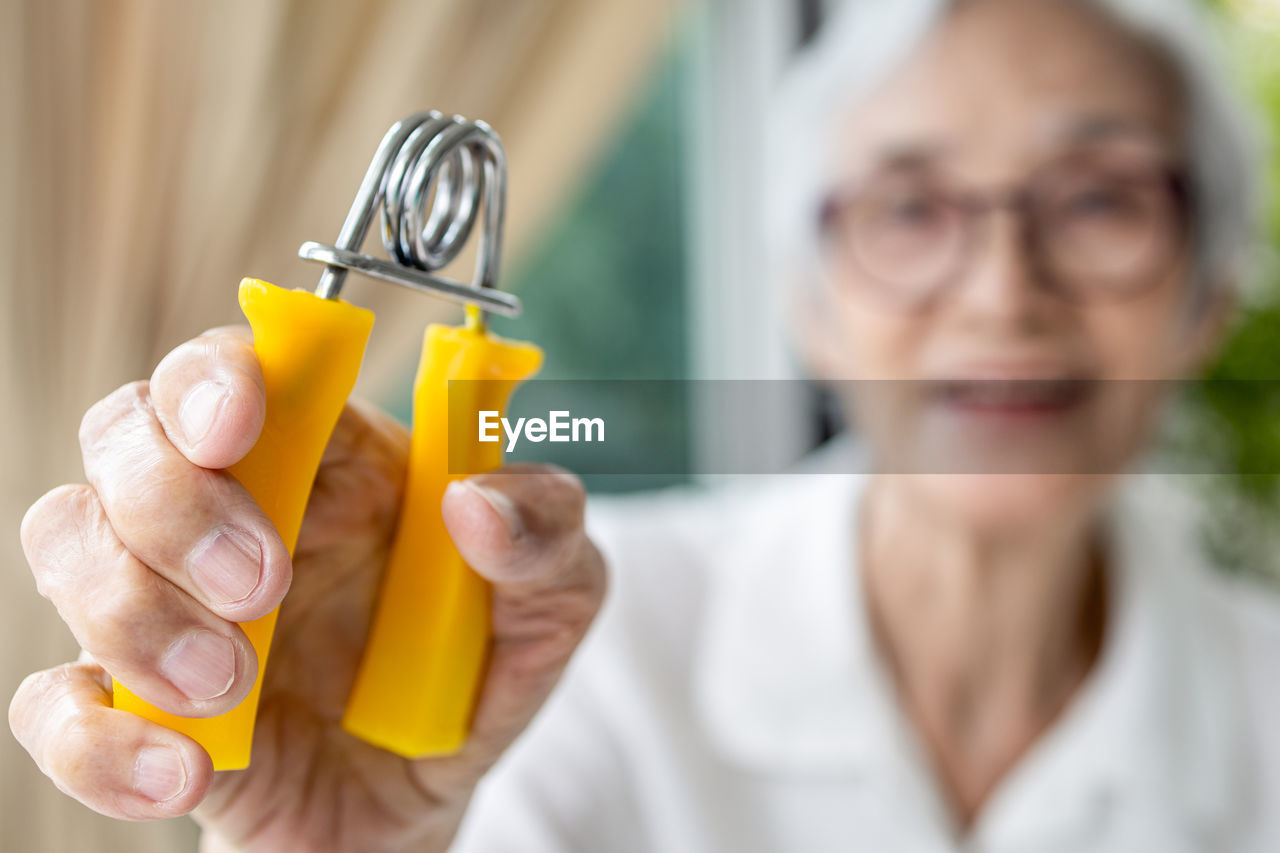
point(1093, 226)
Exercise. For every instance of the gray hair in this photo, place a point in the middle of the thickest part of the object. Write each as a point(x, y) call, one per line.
point(867, 39)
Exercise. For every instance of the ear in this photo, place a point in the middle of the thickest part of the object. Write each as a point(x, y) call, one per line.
point(1207, 330)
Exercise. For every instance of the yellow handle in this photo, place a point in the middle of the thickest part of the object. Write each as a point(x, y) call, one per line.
point(310, 349)
point(417, 683)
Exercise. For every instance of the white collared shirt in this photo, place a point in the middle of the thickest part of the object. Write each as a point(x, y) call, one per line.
point(729, 698)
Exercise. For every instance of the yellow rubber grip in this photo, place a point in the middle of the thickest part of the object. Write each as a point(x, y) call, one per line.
point(310, 350)
point(428, 645)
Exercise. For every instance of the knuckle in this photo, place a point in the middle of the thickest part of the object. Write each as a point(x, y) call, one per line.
point(556, 508)
point(573, 619)
point(568, 489)
point(143, 498)
point(42, 701)
point(582, 601)
point(72, 758)
point(51, 512)
point(595, 575)
point(560, 616)
point(552, 502)
point(534, 656)
point(113, 611)
point(106, 417)
point(58, 536)
point(22, 706)
point(559, 557)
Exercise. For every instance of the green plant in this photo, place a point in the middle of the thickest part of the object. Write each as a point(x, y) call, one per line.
point(1232, 428)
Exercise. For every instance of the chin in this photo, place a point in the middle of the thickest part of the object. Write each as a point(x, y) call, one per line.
point(1010, 502)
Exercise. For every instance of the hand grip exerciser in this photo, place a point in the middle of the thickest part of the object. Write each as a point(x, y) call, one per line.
point(418, 680)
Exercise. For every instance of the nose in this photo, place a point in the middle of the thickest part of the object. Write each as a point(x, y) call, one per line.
point(1000, 285)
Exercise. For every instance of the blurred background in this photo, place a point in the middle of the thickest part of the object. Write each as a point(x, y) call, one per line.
point(154, 152)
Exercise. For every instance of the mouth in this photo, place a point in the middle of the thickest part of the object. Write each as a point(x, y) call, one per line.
point(1013, 398)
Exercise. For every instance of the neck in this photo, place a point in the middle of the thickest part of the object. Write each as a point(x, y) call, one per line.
point(988, 633)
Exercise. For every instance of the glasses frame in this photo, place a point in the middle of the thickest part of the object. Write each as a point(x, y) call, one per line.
point(1165, 174)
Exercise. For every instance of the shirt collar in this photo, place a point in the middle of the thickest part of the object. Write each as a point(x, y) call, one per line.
point(788, 679)
point(786, 675)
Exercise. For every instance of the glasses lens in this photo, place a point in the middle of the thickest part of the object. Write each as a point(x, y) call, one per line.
point(1106, 229)
point(902, 232)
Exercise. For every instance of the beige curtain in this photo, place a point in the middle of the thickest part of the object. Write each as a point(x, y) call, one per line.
point(154, 152)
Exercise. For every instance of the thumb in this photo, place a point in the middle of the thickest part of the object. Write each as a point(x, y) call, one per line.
point(521, 528)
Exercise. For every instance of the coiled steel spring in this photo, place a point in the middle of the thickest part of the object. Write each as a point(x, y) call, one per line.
point(432, 178)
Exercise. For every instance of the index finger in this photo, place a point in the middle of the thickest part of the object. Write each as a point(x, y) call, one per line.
point(522, 529)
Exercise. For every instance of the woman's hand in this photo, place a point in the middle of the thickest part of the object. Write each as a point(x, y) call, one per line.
point(154, 561)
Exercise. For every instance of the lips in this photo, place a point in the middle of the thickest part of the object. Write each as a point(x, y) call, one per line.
point(1013, 396)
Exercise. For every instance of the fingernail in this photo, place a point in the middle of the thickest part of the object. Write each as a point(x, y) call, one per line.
point(159, 773)
point(201, 664)
point(501, 504)
point(200, 408)
point(227, 566)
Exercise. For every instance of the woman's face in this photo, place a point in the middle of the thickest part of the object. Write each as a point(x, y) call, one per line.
point(1006, 240)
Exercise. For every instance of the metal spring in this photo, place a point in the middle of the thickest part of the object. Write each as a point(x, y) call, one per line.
point(431, 177)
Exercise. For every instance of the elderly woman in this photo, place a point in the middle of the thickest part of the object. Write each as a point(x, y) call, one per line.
point(1018, 208)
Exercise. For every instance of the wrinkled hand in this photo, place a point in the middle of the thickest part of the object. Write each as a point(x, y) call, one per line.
point(154, 561)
